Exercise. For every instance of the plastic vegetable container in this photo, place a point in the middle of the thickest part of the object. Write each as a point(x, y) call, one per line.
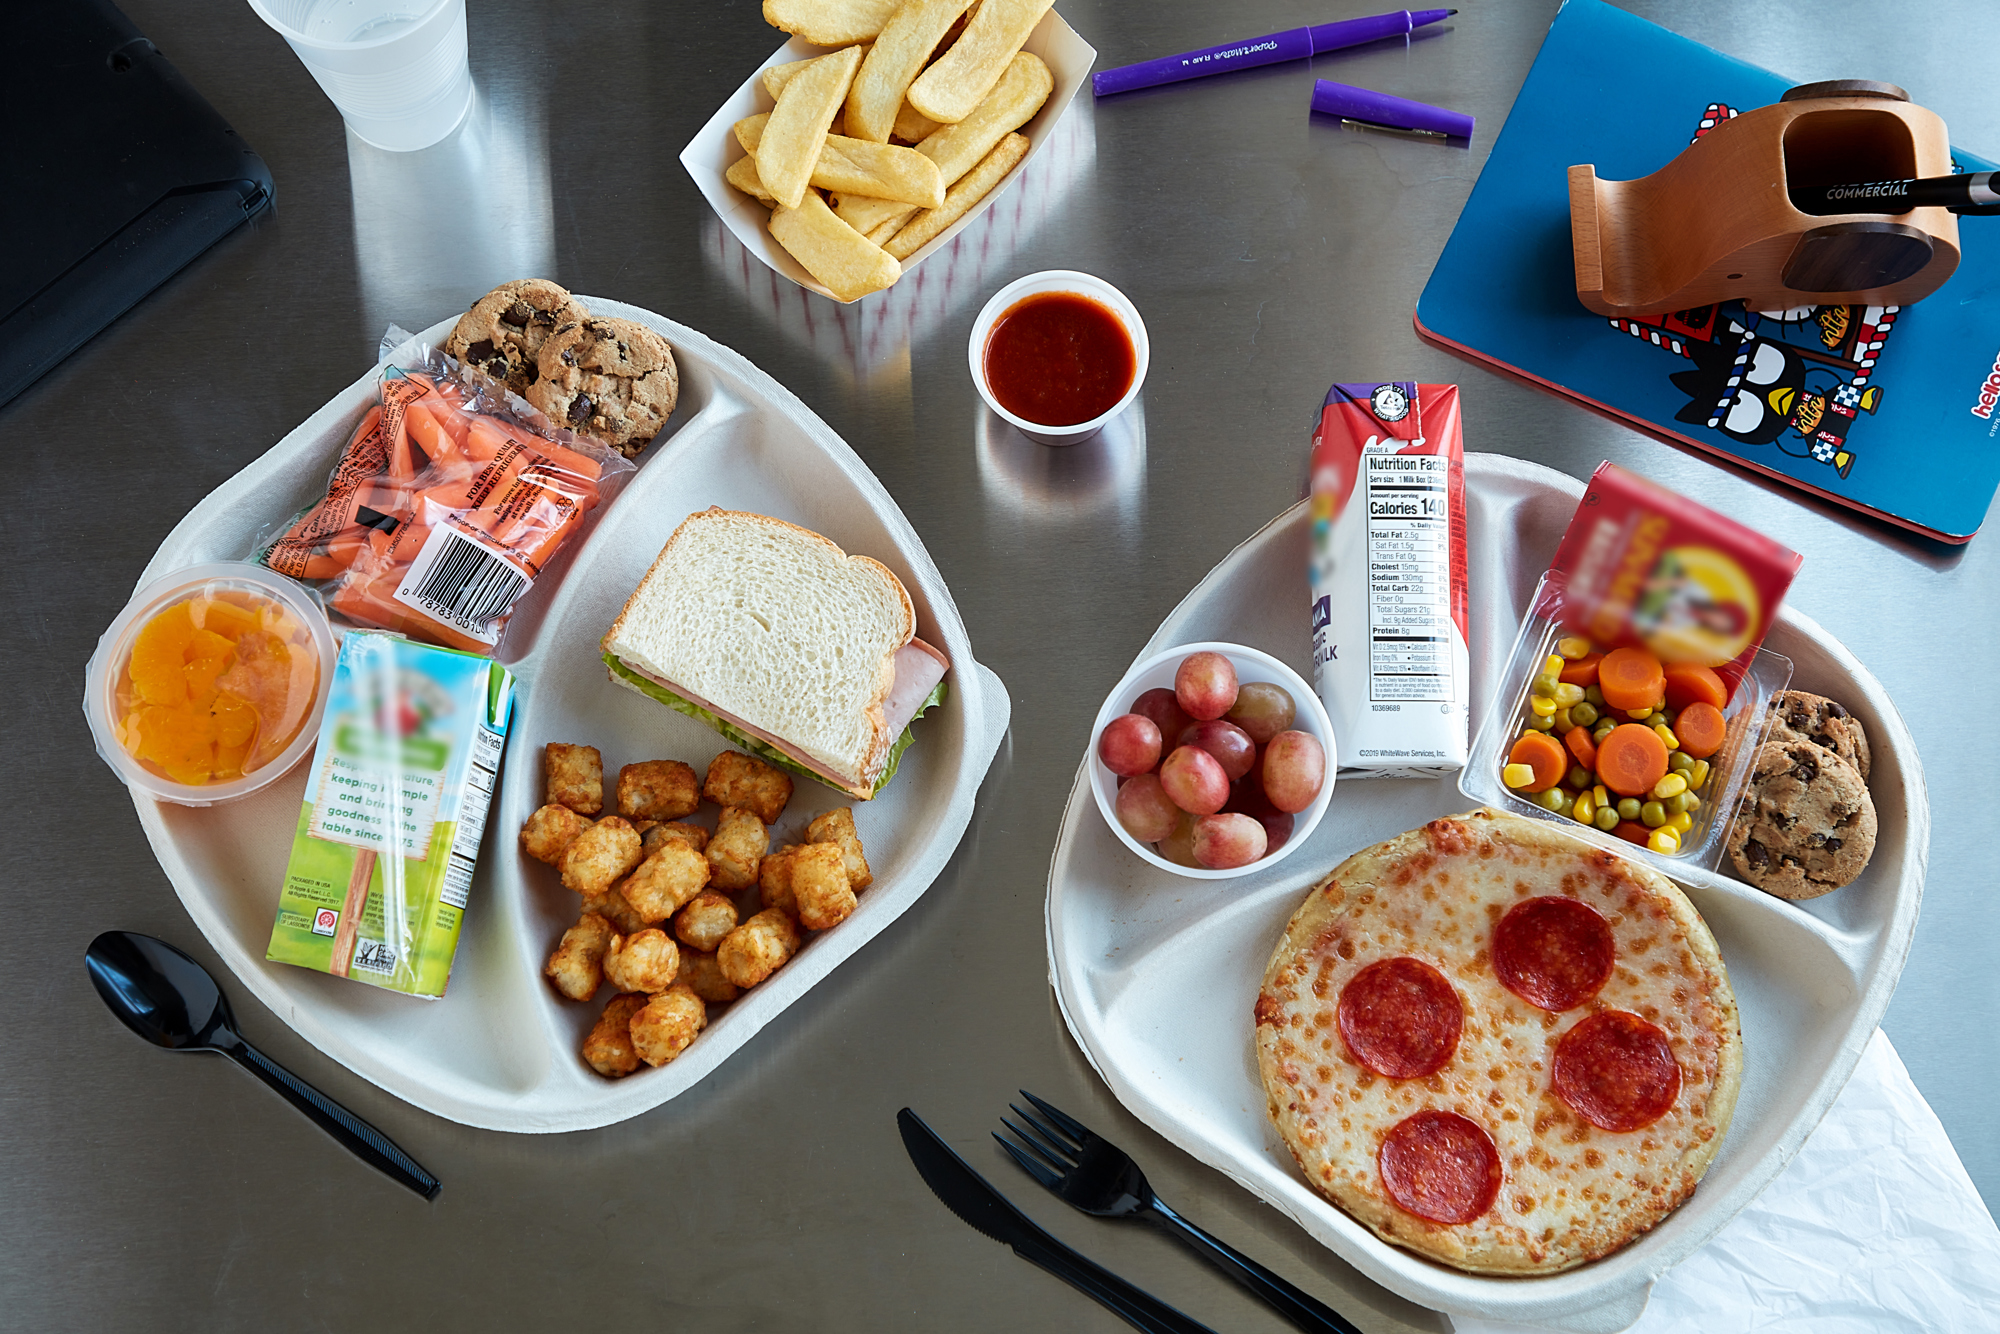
point(1748, 715)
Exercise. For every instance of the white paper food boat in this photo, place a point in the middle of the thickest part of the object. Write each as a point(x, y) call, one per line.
point(1811, 979)
point(500, 1049)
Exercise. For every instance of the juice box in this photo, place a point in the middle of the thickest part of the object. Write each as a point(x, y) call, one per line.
point(1646, 566)
point(382, 859)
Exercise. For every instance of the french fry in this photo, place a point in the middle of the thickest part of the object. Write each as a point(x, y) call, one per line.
point(896, 59)
point(777, 76)
point(847, 262)
point(970, 189)
point(953, 87)
point(869, 215)
point(796, 132)
point(1013, 102)
point(830, 22)
point(913, 126)
point(743, 175)
point(880, 236)
point(855, 166)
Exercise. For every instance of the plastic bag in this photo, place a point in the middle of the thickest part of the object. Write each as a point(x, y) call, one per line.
point(449, 500)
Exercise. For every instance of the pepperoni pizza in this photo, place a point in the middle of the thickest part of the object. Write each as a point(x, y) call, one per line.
point(1498, 1046)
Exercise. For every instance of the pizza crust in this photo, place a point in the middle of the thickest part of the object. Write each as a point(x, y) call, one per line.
point(1570, 1192)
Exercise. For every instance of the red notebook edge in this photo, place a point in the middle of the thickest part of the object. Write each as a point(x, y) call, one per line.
point(1675, 438)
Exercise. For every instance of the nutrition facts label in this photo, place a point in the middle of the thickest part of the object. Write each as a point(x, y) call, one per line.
point(1409, 576)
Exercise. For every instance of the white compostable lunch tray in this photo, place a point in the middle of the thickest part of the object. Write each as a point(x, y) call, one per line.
point(499, 1051)
point(1811, 979)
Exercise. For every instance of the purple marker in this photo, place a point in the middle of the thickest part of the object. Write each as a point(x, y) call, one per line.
point(1294, 44)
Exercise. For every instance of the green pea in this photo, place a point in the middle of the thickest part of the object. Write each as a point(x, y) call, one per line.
point(1584, 714)
point(1579, 776)
point(1628, 808)
point(1653, 814)
point(1549, 799)
point(1676, 803)
point(1541, 724)
point(1545, 685)
point(1594, 695)
point(1606, 818)
point(1604, 729)
point(1679, 763)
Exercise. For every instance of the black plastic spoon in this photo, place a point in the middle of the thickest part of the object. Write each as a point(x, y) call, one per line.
point(171, 1001)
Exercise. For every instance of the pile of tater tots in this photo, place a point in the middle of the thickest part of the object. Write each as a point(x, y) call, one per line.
point(674, 917)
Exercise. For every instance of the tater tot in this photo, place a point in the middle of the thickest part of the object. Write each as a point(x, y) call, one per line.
point(600, 855)
point(735, 779)
point(691, 834)
point(755, 950)
point(577, 965)
point(666, 880)
point(612, 907)
point(819, 883)
point(739, 845)
point(774, 881)
point(608, 1050)
point(667, 1023)
point(643, 961)
point(657, 790)
point(575, 777)
point(702, 973)
point(550, 831)
point(705, 919)
point(837, 826)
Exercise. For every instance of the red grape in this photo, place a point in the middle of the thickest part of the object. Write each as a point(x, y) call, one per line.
point(1195, 781)
point(1231, 745)
point(1129, 744)
point(1160, 705)
point(1145, 810)
point(1205, 685)
point(1178, 847)
point(1223, 841)
point(1263, 710)
point(1294, 770)
point(1277, 829)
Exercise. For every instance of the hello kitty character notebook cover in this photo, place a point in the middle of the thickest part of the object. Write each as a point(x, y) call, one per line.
point(1892, 411)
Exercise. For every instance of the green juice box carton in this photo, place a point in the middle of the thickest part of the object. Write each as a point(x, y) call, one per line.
point(382, 859)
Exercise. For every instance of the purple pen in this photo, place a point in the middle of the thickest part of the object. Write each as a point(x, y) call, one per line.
point(1293, 44)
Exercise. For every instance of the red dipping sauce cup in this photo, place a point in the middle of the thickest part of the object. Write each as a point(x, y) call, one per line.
point(1052, 346)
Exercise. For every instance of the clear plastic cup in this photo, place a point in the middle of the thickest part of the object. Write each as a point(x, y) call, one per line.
point(396, 69)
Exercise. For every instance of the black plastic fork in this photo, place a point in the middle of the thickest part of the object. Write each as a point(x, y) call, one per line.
point(1098, 1177)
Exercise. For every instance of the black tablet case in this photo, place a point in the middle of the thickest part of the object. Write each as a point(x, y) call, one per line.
point(116, 175)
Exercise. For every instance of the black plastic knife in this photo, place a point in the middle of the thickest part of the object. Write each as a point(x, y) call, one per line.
point(974, 1200)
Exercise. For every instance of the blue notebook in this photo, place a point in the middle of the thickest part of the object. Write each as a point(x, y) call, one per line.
point(1893, 409)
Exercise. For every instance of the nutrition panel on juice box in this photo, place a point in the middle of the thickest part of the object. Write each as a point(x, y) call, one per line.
point(1409, 574)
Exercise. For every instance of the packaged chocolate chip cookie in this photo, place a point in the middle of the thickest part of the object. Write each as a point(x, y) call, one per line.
point(446, 506)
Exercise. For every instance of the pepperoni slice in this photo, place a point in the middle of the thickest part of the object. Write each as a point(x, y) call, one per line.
point(1616, 1071)
point(1440, 1166)
point(1552, 952)
point(1400, 1018)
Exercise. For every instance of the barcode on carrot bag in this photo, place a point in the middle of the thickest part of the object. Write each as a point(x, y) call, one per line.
point(463, 583)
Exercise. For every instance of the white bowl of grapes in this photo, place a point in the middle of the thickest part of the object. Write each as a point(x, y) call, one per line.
point(1212, 760)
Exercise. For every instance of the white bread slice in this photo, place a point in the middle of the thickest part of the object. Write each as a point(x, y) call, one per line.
point(777, 626)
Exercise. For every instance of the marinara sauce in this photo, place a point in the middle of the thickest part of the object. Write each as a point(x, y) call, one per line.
point(1059, 359)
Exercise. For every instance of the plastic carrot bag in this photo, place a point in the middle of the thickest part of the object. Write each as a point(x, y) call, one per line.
point(448, 502)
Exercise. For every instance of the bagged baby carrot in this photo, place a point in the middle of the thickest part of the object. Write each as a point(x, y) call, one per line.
point(449, 500)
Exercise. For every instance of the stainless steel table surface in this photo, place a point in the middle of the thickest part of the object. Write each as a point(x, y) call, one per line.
point(1270, 255)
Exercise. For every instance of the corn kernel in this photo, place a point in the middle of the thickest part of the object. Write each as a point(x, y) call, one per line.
point(1553, 664)
point(1542, 705)
point(1600, 796)
point(1517, 775)
point(1574, 648)
point(1584, 808)
point(1697, 775)
point(1664, 841)
point(1680, 824)
point(1568, 695)
point(1670, 786)
point(1666, 734)
point(1638, 715)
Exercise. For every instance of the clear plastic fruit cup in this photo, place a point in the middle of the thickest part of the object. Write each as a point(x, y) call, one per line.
point(287, 690)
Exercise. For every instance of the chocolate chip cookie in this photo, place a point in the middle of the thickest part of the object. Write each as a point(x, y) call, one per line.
point(1806, 825)
point(506, 328)
point(1798, 716)
point(610, 379)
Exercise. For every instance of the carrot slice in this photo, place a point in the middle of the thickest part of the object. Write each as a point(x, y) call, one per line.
point(1580, 745)
point(1690, 681)
point(1701, 728)
point(1544, 754)
point(1632, 832)
point(1631, 759)
point(1631, 678)
point(1582, 672)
